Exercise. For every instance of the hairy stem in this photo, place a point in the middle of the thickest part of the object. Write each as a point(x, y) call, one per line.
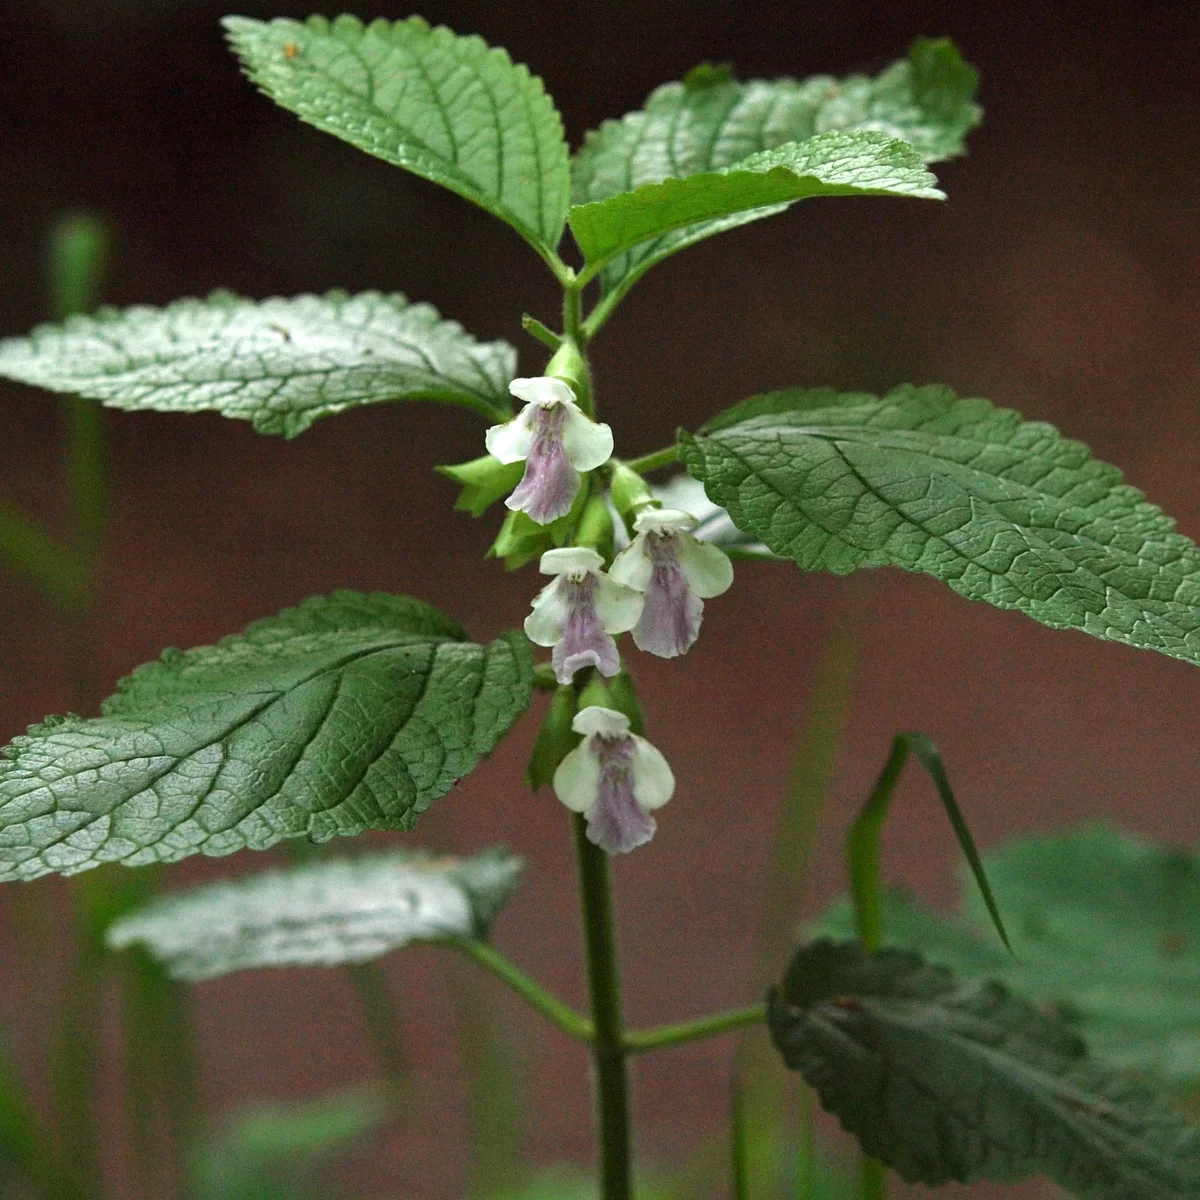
point(655, 461)
point(608, 1042)
point(662, 1037)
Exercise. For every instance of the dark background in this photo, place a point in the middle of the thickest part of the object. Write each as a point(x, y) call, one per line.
point(1061, 278)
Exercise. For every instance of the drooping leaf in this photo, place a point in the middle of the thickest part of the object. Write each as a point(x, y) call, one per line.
point(945, 1080)
point(280, 363)
point(350, 712)
point(1002, 509)
point(323, 913)
point(271, 1151)
point(710, 122)
point(447, 108)
point(838, 163)
point(1106, 930)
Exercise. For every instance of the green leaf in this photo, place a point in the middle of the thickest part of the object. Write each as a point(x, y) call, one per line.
point(1107, 934)
point(350, 712)
point(857, 163)
point(944, 1080)
point(281, 364)
point(711, 122)
point(270, 1151)
point(863, 842)
point(446, 108)
point(1002, 509)
point(324, 913)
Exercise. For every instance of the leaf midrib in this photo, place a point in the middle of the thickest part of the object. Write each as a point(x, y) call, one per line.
point(951, 470)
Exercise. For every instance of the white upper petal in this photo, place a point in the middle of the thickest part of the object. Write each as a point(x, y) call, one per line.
point(570, 560)
point(544, 626)
point(663, 520)
point(683, 492)
point(607, 722)
point(543, 391)
point(588, 444)
point(577, 780)
point(707, 567)
point(632, 567)
point(513, 440)
point(653, 779)
point(617, 606)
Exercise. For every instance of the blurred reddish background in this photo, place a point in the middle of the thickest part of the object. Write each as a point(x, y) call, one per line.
point(1061, 278)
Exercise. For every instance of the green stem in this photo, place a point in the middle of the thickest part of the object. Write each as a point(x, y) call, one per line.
point(806, 1159)
point(550, 1006)
point(42, 559)
point(661, 1037)
point(655, 461)
point(864, 859)
point(383, 1026)
point(873, 1179)
point(542, 333)
point(863, 850)
point(608, 1044)
point(814, 762)
point(604, 309)
point(573, 313)
point(496, 1100)
point(74, 1057)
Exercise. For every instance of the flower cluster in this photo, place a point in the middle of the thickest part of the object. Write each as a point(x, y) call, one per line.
point(655, 589)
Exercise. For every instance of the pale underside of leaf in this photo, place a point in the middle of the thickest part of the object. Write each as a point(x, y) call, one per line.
point(350, 712)
point(1003, 510)
point(280, 363)
point(1107, 933)
point(831, 164)
point(948, 1081)
point(324, 913)
point(710, 122)
point(447, 108)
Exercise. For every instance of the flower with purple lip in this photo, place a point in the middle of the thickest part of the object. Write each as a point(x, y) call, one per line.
point(579, 611)
point(615, 778)
point(676, 573)
point(556, 440)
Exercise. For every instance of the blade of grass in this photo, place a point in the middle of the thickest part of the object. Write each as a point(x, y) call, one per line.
point(818, 747)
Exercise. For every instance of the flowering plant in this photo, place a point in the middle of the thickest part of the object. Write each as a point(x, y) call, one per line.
point(354, 712)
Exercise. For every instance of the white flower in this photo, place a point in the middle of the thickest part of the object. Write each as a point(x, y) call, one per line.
point(577, 613)
point(556, 440)
point(615, 778)
point(676, 573)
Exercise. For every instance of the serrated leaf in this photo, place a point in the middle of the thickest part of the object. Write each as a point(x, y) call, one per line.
point(1002, 509)
point(857, 163)
point(281, 364)
point(1107, 934)
point(350, 712)
point(324, 913)
point(710, 122)
point(945, 1080)
point(447, 108)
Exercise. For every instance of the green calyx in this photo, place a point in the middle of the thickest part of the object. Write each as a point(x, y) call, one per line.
point(629, 491)
point(568, 364)
point(484, 481)
point(555, 740)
